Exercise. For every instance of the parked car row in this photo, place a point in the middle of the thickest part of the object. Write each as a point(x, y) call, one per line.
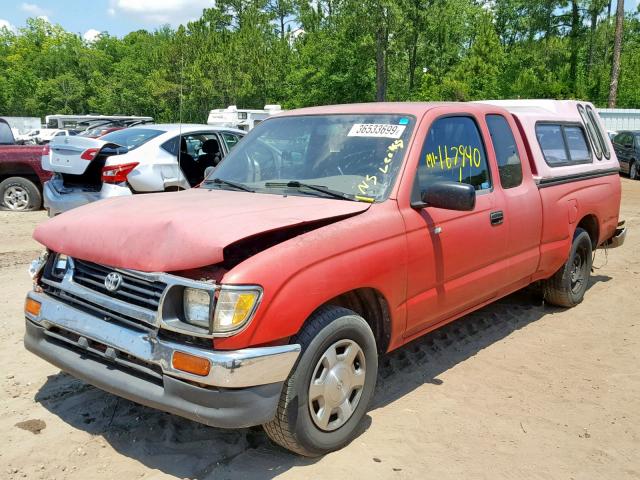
point(87, 128)
point(22, 177)
point(141, 159)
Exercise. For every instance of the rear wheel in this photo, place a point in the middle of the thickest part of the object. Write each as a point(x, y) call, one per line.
point(20, 194)
point(328, 392)
point(633, 170)
point(568, 285)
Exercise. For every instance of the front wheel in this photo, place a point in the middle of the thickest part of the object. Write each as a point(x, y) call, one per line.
point(633, 170)
point(329, 390)
point(568, 285)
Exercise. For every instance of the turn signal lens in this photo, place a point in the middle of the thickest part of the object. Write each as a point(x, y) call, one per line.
point(32, 307)
point(191, 364)
point(234, 308)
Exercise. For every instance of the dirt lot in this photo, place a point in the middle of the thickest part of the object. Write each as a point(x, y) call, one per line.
point(516, 390)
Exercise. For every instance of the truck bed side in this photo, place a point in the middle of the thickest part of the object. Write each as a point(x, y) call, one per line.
point(583, 195)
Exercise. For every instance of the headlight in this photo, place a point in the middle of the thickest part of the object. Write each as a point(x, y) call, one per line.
point(197, 307)
point(234, 307)
point(59, 266)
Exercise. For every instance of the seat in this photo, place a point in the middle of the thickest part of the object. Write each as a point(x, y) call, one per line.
point(192, 170)
point(211, 156)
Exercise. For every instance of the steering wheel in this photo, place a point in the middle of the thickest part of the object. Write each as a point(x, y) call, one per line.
point(351, 162)
point(263, 158)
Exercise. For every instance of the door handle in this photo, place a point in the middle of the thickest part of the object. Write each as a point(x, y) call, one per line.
point(496, 217)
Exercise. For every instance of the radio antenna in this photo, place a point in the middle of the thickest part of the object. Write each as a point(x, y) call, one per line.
point(180, 108)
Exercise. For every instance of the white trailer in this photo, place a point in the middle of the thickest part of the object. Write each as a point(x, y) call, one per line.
point(83, 121)
point(243, 119)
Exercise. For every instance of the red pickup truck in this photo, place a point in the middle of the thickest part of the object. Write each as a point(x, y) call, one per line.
point(327, 237)
point(21, 176)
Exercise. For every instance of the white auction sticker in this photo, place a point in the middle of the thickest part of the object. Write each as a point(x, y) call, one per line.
point(384, 130)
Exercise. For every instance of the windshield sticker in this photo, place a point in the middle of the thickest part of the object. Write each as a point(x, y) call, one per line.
point(380, 130)
point(465, 155)
point(403, 121)
point(371, 180)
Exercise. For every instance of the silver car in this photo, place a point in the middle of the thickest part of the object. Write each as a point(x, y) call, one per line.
point(141, 159)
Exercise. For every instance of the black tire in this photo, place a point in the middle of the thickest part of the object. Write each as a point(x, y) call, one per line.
point(293, 426)
point(633, 170)
point(568, 285)
point(19, 194)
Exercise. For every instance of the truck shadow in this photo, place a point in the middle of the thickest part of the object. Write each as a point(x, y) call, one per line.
point(183, 448)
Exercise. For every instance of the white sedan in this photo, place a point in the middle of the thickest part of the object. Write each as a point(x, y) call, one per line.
point(141, 159)
point(47, 135)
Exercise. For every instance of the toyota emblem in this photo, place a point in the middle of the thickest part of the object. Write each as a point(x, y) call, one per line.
point(113, 281)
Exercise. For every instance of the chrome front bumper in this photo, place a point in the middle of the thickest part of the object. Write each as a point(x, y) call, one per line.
point(229, 369)
point(242, 389)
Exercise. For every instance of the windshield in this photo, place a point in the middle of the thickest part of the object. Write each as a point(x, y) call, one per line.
point(356, 157)
point(131, 137)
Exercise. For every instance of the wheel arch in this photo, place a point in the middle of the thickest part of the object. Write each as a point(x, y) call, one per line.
point(590, 224)
point(8, 170)
point(371, 305)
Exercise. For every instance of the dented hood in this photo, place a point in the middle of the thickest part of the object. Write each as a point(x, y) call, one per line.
point(179, 231)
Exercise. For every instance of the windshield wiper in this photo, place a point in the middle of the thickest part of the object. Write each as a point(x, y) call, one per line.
point(316, 188)
point(239, 186)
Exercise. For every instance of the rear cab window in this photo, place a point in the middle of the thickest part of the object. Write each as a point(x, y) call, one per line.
point(453, 151)
point(506, 149)
point(563, 144)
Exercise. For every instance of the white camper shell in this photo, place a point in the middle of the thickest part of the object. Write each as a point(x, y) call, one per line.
point(232, 117)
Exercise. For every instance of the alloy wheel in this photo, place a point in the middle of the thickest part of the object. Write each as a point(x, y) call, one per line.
point(16, 198)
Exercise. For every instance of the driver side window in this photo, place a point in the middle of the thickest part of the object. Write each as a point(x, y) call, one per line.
point(453, 151)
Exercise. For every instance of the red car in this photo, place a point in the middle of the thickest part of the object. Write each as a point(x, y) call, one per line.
point(326, 238)
point(98, 132)
point(21, 175)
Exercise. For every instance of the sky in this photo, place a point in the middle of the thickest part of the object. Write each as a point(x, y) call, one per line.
point(118, 17)
point(89, 17)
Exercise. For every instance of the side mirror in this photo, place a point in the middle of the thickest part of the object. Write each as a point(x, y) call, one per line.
point(450, 196)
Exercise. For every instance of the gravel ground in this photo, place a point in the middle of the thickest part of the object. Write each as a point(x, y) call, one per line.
point(515, 390)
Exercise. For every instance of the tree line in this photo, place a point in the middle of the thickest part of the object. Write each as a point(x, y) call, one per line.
point(299, 53)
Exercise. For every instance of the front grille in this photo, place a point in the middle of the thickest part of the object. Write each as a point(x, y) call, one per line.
point(133, 290)
point(96, 310)
point(139, 298)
